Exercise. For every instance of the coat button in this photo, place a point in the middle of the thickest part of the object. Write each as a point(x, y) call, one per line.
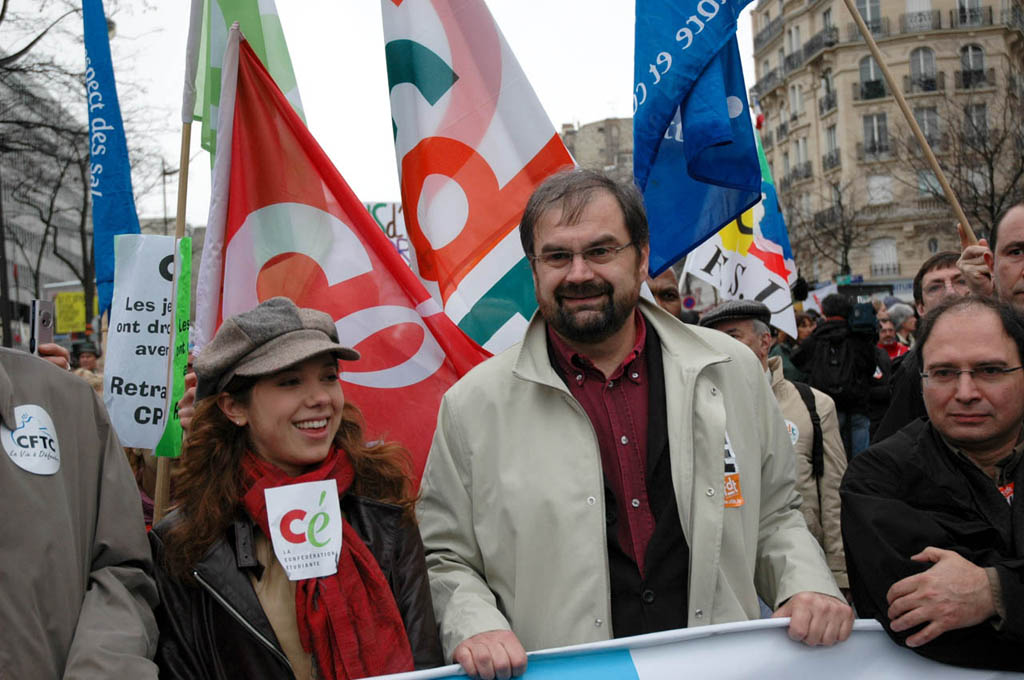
point(624, 439)
point(648, 596)
point(635, 502)
point(591, 500)
point(699, 613)
point(710, 492)
point(598, 623)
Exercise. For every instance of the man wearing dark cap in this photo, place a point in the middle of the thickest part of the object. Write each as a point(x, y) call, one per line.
point(812, 424)
point(617, 472)
point(86, 355)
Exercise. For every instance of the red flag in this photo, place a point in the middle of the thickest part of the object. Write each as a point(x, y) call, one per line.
point(290, 225)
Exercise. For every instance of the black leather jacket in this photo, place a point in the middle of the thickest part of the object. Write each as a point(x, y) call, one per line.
point(215, 627)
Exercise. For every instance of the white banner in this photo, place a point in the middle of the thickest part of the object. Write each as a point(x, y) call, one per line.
point(749, 649)
point(138, 343)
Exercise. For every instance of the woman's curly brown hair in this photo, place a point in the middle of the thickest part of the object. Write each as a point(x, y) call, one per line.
point(208, 482)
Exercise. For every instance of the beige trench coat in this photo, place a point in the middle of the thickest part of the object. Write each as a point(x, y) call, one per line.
point(821, 496)
point(512, 511)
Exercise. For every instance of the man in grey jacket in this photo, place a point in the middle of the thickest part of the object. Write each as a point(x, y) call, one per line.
point(76, 597)
point(617, 472)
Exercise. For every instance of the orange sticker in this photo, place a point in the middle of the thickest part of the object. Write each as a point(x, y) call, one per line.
point(1007, 491)
point(733, 493)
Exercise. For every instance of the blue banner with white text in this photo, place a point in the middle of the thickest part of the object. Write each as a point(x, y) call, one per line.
point(110, 178)
point(694, 155)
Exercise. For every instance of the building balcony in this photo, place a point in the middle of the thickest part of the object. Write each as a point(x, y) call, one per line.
point(821, 40)
point(879, 27)
point(1014, 18)
point(782, 132)
point(766, 34)
point(768, 82)
point(939, 143)
point(826, 217)
point(801, 171)
point(879, 269)
point(827, 103)
point(935, 82)
point(967, 17)
point(874, 150)
point(831, 160)
point(870, 89)
point(793, 61)
point(931, 204)
point(973, 78)
point(917, 22)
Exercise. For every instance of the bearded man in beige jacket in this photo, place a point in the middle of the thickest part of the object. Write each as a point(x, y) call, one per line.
point(616, 473)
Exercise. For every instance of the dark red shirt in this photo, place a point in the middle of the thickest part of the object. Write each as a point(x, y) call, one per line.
point(617, 406)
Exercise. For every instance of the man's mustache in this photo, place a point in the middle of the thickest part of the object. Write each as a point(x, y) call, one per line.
point(589, 289)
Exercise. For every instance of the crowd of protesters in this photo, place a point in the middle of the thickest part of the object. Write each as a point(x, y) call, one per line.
point(615, 473)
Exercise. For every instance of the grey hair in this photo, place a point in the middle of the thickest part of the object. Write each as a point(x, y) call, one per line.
point(899, 313)
point(760, 327)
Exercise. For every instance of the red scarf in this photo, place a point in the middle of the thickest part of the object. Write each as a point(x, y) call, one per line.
point(349, 621)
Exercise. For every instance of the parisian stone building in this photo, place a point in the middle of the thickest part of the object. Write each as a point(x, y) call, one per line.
point(857, 194)
point(603, 145)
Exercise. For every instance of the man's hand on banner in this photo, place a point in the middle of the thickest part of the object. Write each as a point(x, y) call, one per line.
point(953, 593)
point(816, 618)
point(494, 654)
point(56, 355)
point(976, 264)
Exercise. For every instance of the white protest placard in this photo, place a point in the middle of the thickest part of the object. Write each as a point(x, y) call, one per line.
point(305, 528)
point(138, 343)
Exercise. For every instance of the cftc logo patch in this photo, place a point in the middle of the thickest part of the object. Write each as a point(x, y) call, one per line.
point(32, 444)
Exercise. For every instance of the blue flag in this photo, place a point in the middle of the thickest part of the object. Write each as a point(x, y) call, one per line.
point(694, 155)
point(110, 177)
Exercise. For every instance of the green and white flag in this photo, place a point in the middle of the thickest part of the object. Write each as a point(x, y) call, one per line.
point(209, 22)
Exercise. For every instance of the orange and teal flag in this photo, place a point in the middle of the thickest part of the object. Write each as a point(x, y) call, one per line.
point(472, 143)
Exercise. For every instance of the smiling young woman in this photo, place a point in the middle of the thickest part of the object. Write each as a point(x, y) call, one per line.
point(270, 414)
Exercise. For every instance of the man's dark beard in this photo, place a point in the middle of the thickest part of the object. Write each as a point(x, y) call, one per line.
point(613, 314)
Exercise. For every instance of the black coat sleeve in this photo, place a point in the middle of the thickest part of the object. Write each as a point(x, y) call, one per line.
point(177, 649)
point(411, 589)
point(881, 531)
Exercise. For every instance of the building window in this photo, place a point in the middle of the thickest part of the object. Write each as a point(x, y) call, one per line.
point(922, 70)
point(801, 150)
point(885, 257)
point(785, 164)
point(969, 12)
point(928, 184)
point(826, 19)
point(827, 82)
point(871, 84)
point(972, 63)
point(831, 140)
point(927, 118)
point(879, 189)
point(872, 14)
point(876, 136)
point(976, 122)
point(933, 245)
point(796, 101)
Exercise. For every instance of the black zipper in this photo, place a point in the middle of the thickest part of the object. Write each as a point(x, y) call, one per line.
point(241, 619)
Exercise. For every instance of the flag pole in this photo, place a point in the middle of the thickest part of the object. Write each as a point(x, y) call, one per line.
point(925, 147)
point(163, 463)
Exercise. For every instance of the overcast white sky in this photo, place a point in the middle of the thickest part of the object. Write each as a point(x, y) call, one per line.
point(578, 54)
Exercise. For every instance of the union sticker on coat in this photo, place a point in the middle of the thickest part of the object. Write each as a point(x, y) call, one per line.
point(794, 432)
point(305, 528)
point(32, 443)
point(733, 492)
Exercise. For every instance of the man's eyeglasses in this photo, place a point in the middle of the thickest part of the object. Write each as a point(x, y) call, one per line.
point(980, 374)
point(560, 259)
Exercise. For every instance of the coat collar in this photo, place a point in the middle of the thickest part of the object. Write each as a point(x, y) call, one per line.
point(678, 341)
point(775, 371)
